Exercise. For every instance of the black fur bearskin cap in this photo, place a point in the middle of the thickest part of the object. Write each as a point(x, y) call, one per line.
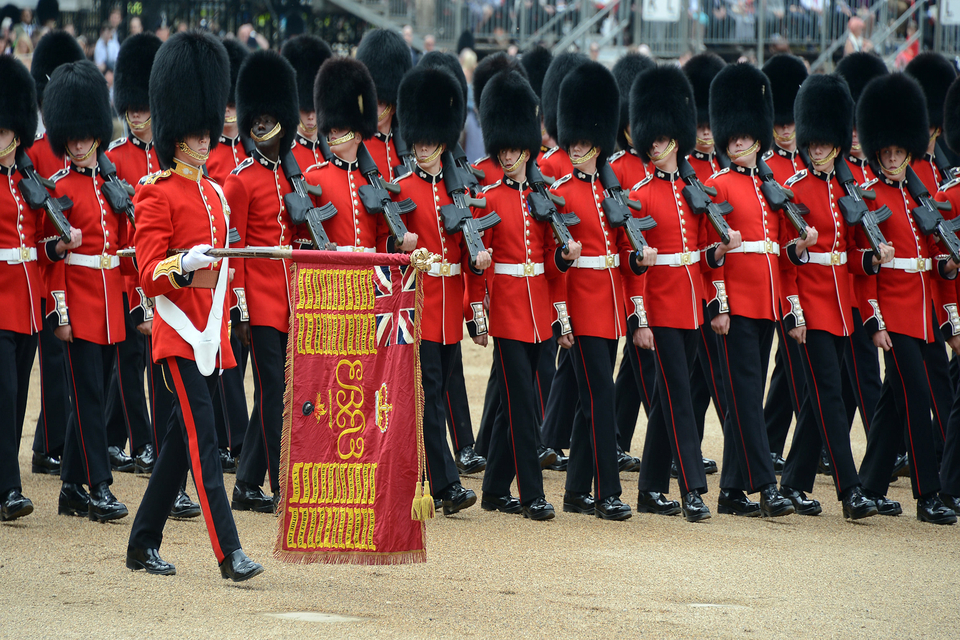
point(662, 104)
point(345, 97)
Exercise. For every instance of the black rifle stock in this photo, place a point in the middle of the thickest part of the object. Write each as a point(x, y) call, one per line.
point(698, 199)
point(457, 217)
point(617, 209)
point(780, 198)
point(407, 162)
point(947, 173)
point(928, 216)
point(37, 197)
point(300, 206)
point(471, 175)
point(116, 191)
point(375, 195)
point(854, 208)
point(543, 206)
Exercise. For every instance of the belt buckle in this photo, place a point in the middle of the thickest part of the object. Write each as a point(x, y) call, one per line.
point(609, 261)
point(105, 261)
point(445, 269)
point(686, 259)
point(24, 254)
point(921, 265)
point(834, 258)
point(357, 249)
point(528, 269)
point(768, 246)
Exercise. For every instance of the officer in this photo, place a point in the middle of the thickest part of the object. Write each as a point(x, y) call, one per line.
point(306, 53)
point(188, 95)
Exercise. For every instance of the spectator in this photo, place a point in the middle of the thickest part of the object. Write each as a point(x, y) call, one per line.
point(855, 40)
point(908, 54)
point(136, 26)
point(107, 47)
point(429, 43)
point(594, 51)
point(472, 138)
point(407, 32)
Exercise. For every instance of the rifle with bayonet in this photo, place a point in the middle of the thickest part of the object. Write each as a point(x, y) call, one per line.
point(543, 206)
point(117, 192)
point(33, 188)
point(470, 173)
point(617, 209)
point(300, 206)
point(375, 195)
point(854, 208)
point(698, 199)
point(928, 217)
point(457, 217)
point(779, 198)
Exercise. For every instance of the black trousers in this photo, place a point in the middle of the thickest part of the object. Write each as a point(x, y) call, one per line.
point(593, 443)
point(85, 459)
point(127, 415)
point(160, 397)
point(746, 450)
point(190, 443)
point(950, 464)
point(635, 386)
point(54, 398)
point(230, 406)
point(937, 368)
point(902, 417)
point(706, 383)
point(822, 421)
point(787, 388)
point(491, 404)
point(17, 351)
point(671, 428)
point(457, 405)
point(561, 404)
point(862, 362)
point(436, 362)
point(513, 440)
point(268, 351)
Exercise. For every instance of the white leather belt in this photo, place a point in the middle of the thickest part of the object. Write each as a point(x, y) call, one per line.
point(910, 265)
point(830, 259)
point(101, 262)
point(523, 270)
point(597, 262)
point(757, 246)
point(18, 255)
point(444, 269)
point(352, 249)
point(678, 259)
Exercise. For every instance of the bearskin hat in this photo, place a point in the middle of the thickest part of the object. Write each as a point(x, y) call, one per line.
point(466, 41)
point(559, 68)
point(934, 73)
point(189, 85)
point(786, 73)
point(951, 117)
point(510, 114)
point(53, 49)
point(536, 62)
point(449, 62)
point(77, 106)
point(18, 111)
point(295, 23)
point(661, 104)
point(893, 111)
point(306, 53)
point(824, 112)
point(431, 107)
point(237, 52)
point(741, 103)
point(860, 68)
point(387, 56)
point(131, 80)
point(489, 67)
point(267, 85)
point(345, 97)
point(47, 10)
point(626, 71)
point(589, 108)
point(700, 70)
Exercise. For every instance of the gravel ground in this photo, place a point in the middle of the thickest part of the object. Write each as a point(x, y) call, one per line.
point(491, 574)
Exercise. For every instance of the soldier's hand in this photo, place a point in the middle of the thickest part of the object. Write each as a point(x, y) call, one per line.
point(735, 241)
point(243, 333)
point(565, 341)
point(146, 328)
point(799, 334)
point(886, 254)
point(954, 343)
point(572, 251)
point(721, 324)
point(484, 260)
point(64, 332)
point(233, 272)
point(643, 338)
point(812, 235)
point(409, 242)
point(882, 340)
point(197, 258)
point(649, 257)
point(480, 340)
point(76, 239)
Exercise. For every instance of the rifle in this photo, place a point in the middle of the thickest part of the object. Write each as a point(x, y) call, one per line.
point(780, 199)
point(470, 173)
point(543, 206)
point(457, 216)
point(116, 191)
point(615, 208)
point(407, 163)
point(928, 216)
point(33, 188)
point(375, 195)
point(300, 206)
point(324, 149)
point(698, 195)
point(947, 173)
point(855, 210)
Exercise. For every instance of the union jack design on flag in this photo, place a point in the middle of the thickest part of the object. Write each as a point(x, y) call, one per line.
point(395, 323)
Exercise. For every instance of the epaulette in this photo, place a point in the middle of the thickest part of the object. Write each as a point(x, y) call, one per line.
point(550, 152)
point(403, 177)
point(243, 165)
point(767, 155)
point(491, 186)
point(560, 181)
point(869, 183)
point(311, 167)
point(795, 178)
point(59, 175)
point(642, 182)
point(479, 160)
point(38, 137)
point(151, 178)
point(617, 155)
point(116, 143)
point(951, 184)
point(721, 172)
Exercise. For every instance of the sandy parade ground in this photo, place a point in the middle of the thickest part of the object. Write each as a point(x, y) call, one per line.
point(496, 575)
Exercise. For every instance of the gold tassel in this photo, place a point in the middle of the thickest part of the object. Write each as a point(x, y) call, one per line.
point(426, 502)
point(415, 512)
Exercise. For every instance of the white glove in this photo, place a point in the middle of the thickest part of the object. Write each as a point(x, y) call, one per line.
point(197, 258)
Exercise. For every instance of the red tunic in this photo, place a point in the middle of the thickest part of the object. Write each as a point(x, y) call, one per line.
point(255, 193)
point(93, 296)
point(306, 152)
point(21, 231)
point(47, 163)
point(786, 164)
point(629, 168)
point(862, 285)
point(170, 215)
point(705, 165)
point(944, 293)
point(555, 163)
point(384, 153)
point(949, 193)
point(352, 226)
point(226, 157)
point(492, 171)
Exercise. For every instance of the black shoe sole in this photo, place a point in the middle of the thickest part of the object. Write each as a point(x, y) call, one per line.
point(25, 510)
point(127, 468)
point(890, 512)
point(730, 511)
point(486, 506)
point(449, 510)
point(252, 574)
point(46, 471)
point(710, 469)
point(778, 513)
point(559, 466)
point(71, 510)
point(477, 468)
point(548, 514)
point(951, 519)
point(185, 514)
point(619, 517)
point(139, 470)
point(107, 517)
point(811, 511)
point(246, 506)
point(572, 508)
point(647, 509)
point(547, 461)
point(850, 515)
point(696, 517)
point(136, 565)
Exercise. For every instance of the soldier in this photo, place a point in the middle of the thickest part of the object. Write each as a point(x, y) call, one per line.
point(267, 112)
point(230, 152)
point(431, 106)
point(588, 117)
point(526, 255)
point(306, 53)
point(893, 128)
point(490, 66)
point(664, 131)
point(188, 95)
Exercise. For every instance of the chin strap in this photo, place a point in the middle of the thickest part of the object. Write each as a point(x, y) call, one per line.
point(350, 135)
point(10, 147)
point(199, 157)
point(660, 156)
point(516, 165)
point(267, 136)
point(789, 138)
point(137, 127)
point(433, 156)
point(833, 154)
point(584, 158)
point(93, 150)
point(751, 149)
